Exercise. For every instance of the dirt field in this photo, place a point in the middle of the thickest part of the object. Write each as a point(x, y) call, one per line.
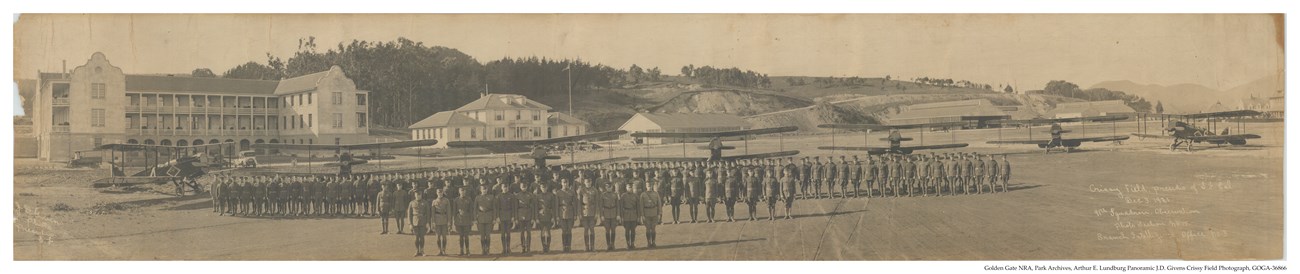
point(1137, 200)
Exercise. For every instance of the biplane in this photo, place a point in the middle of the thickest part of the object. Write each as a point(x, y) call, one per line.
point(1057, 140)
point(1185, 132)
point(185, 165)
point(346, 160)
point(538, 150)
point(715, 146)
point(895, 137)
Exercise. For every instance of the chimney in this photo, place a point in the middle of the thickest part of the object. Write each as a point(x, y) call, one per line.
point(65, 66)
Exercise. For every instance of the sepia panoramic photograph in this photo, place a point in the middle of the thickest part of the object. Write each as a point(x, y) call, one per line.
point(582, 137)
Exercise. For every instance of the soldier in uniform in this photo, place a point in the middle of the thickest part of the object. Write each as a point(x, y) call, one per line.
point(786, 189)
point(527, 212)
point(609, 206)
point(385, 201)
point(464, 221)
point(547, 209)
point(940, 174)
point(731, 193)
point(754, 189)
point(832, 176)
point(805, 177)
point(896, 176)
point(590, 198)
point(991, 171)
point(923, 175)
point(771, 191)
point(442, 217)
point(678, 192)
point(969, 171)
point(818, 176)
point(978, 174)
point(630, 214)
point(420, 211)
point(694, 191)
point(485, 214)
point(569, 210)
point(650, 208)
point(400, 197)
point(710, 195)
point(1006, 172)
point(507, 207)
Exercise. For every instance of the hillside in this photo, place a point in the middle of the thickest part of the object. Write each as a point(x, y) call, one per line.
point(814, 89)
point(1184, 98)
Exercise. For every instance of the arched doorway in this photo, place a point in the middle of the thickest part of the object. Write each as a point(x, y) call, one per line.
point(260, 151)
point(244, 144)
point(230, 149)
point(165, 142)
point(132, 141)
point(198, 142)
point(148, 141)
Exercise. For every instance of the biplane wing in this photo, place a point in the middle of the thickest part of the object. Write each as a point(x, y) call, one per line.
point(1223, 138)
point(726, 158)
point(601, 161)
point(381, 145)
point(733, 133)
point(872, 150)
point(527, 143)
point(943, 146)
point(353, 162)
point(876, 127)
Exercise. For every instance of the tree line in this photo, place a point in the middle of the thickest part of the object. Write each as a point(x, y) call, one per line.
point(409, 80)
point(1067, 89)
point(727, 76)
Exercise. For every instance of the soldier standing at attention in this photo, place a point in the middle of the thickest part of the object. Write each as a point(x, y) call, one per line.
point(1006, 172)
point(694, 191)
point(937, 170)
point(923, 175)
point(442, 215)
point(385, 201)
point(991, 170)
point(464, 221)
point(485, 205)
point(400, 198)
point(650, 215)
point(832, 173)
point(710, 196)
point(569, 209)
point(787, 188)
point(420, 210)
point(678, 193)
point(896, 175)
point(805, 172)
point(609, 212)
point(731, 193)
point(527, 212)
point(590, 198)
point(818, 176)
point(754, 189)
point(546, 211)
point(771, 192)
point(630, 214)
point(507, 208)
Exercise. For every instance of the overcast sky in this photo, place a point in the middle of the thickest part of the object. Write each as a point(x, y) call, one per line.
point(1218, 51)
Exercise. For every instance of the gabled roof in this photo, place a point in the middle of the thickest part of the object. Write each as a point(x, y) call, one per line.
point(1111, 106)
point(302, 83)
point(975, 107)
point(163, 83)
point(556, 118)
point(446, 118)
point(1217, 107)
point(503, 101)
point(695, 120)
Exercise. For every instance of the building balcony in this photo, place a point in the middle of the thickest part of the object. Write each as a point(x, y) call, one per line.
point(62, 101)
point(133, 108)
point(61, 129)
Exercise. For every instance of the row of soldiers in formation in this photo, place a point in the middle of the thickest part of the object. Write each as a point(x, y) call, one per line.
point(673, 184)
point(677, 183)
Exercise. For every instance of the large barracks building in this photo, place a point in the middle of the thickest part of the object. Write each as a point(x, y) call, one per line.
point(96, 103)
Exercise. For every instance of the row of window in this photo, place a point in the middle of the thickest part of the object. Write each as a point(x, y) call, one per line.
point(499, 133)
point(300, 121)
point(501, 115)
point(336, 98)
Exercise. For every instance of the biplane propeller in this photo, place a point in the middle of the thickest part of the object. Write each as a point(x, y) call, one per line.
point(1056, 131)
point(715, 146)
point(895, 138)
point(183, 169)
point(539, 149)
point(1185, 133)
point(346, 160)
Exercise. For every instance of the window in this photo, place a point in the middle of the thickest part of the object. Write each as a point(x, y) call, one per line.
point(361, 99)
point(337, 97)
point(97, 117)
point(537, 115)
point(302, 122)
point(519, 115)
point(338, 120)
point(99, 141)
point(501, 132)
point(473, 133)
point(98, 91)
point(537, 132)
point(299, 99)
point(361, 119)
point(566, 131)
point(457, 132)
point(309, 98)
point(284, 120)
point(309, 123)
point(500, 115)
